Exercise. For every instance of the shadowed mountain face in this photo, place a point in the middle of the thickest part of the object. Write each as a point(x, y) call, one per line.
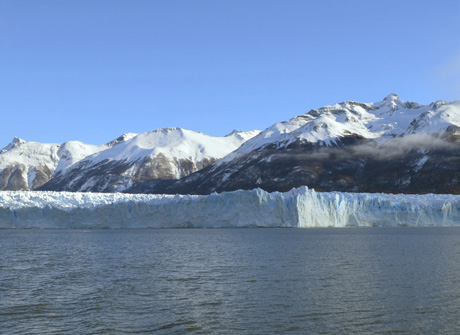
point(389, 146)
point(352, 165)
point(114, 176)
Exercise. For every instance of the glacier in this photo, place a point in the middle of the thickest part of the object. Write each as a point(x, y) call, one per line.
point(300, 207)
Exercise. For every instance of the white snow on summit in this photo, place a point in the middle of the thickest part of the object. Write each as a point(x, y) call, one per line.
point(173, 153)
point(28, 165)
point(173, 143)
point(29, 153)
point(160, 155)
point(379, 121)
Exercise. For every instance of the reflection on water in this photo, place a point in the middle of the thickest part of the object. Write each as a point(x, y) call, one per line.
point(230, 281)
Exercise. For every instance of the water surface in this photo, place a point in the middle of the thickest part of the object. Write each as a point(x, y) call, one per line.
point(230, 281)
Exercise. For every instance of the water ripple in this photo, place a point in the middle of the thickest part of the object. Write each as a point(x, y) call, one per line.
point(228, 281)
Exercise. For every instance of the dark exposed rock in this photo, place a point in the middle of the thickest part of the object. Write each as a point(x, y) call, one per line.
point(345, 167)
point(141, 176)
point(11, 178)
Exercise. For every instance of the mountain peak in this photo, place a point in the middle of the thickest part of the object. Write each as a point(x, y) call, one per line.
point(122, 138)
point(391, 97)
point(17, 141)
point(234, 131)
point(14, 143)
point(243, 136)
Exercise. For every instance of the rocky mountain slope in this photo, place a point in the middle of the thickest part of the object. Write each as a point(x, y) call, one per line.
point(29, 165)
point(389, 146)
point(157, 156)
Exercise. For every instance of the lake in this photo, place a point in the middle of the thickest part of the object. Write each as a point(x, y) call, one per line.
point(230, 281)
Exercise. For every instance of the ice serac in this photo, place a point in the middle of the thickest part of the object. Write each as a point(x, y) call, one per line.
point(299, 207)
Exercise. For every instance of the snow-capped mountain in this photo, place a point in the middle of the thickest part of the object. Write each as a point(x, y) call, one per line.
point(160, 154)
point(29, 165)
point(378, 121)
point(388, 146)
point(156, 157)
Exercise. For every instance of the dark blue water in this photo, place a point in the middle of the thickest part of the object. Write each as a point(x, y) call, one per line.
point(230, 281)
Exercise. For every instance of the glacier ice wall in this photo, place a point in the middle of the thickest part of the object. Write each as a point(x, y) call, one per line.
point(256, 208)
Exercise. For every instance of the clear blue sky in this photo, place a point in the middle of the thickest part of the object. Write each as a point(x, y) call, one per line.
point(93, 70)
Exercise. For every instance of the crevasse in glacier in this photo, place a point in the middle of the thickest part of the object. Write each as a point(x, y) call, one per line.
point(299, 207)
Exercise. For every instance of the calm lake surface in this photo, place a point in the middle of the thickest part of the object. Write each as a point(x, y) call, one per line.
point(230, 281)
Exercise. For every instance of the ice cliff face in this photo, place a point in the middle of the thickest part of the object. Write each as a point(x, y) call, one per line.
point(389, 146)
point(256, 208)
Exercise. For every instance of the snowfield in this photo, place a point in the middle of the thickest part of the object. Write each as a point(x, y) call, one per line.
point(300, 207)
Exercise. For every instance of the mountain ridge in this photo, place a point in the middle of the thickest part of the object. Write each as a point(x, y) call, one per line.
point(390, 146)
point(31, 165)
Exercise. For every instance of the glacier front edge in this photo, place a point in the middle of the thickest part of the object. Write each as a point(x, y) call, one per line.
point(299, 207)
